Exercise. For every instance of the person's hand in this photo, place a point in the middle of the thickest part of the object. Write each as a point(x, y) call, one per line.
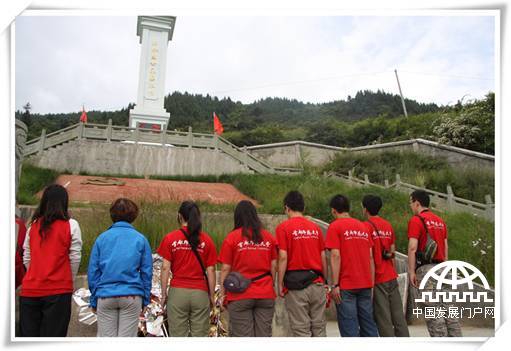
point(336, 295)
point(413, 279)
point(221, 302)
point(163, 300)
point(212, 302)
point(281, 290)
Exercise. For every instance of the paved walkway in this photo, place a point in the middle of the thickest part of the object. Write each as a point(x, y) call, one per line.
point(420, 330)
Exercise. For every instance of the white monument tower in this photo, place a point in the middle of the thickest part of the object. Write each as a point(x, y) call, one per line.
point(155, 32)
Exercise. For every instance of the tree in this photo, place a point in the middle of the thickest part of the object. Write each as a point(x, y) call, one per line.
point(472, 128)
point(26, 117)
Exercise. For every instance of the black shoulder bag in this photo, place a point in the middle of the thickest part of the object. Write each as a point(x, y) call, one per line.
point(196, 253)
point(426, 256)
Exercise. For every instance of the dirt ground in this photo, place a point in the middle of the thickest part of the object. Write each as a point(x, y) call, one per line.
point(148, 190)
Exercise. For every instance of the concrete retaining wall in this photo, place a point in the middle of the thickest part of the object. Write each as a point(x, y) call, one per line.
point(295, 153)
point(101, 157)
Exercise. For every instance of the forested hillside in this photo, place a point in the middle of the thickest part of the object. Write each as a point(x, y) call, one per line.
point(368, 117)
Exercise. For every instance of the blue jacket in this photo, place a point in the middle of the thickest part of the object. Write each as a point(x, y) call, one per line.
point(120, 264)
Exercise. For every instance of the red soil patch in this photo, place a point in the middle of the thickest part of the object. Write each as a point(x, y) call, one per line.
point(149, 190)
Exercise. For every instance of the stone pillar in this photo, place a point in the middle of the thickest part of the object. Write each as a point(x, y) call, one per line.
point(215, 141)
point(109, 130)
point(245, 156)
point(164, 136)
point(20, 141)
point(490, 208)
point(155, 32)
point(42, 140)
point(398, 181)
point(450, 198)
point(190, 137)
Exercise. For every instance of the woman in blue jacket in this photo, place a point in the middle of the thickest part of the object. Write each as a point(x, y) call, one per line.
point(120, 273)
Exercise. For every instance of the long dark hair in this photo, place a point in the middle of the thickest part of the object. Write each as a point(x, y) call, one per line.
point(190, 213)
point(245, 217)
point(53, 206)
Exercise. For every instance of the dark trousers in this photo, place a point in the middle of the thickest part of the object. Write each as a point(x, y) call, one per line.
point(45, 315)
point(355, 313)
point(388, 310)
point(251, 317)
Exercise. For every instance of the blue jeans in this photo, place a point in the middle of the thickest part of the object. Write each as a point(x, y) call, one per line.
point(355, 313)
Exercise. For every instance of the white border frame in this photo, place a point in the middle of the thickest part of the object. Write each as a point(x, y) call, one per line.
point(288, 12)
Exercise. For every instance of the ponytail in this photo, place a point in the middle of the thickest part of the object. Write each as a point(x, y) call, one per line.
point(190, 213)
point(246, 218)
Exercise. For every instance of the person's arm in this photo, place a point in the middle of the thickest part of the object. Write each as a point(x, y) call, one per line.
point(146, 272)
point(412, 250)
point(446, 250)
point(164, 279)
point(224, 270)
point(335, 267)
point(371, 260)
point(273, 269)
point(75, 250)
point(26, 249)
point(211, 272)
point(325, 265)
point(282, 267)
point(93, 274)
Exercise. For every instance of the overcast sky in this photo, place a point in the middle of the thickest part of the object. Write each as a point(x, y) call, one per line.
point(62, 62)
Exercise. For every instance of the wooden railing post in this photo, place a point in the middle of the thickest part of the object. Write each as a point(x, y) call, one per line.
point(366, 179)
point(350, 174)
point(190, 137)
point(109, 130)
point(386, 182)
point(42, 140)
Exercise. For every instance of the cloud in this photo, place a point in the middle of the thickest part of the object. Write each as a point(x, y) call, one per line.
point(62, 62)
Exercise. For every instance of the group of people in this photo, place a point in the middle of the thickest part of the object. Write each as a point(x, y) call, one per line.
point(358, 274)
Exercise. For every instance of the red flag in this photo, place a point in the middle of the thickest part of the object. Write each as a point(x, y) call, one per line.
point(219, 128)
point(83, 117)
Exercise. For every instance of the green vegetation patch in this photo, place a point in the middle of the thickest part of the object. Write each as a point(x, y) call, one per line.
point(32, 180)
point(433, 173)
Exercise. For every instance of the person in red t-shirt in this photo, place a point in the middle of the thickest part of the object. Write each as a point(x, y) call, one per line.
point(302, 260)
point(190, 296)
point(387, 302)
point(352, 270)
point(250, 251)
point(422, 223)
